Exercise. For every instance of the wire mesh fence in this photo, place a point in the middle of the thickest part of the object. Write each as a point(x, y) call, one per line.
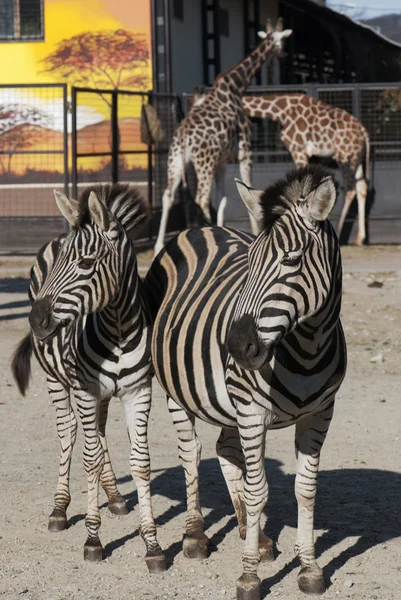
point(100, 132)
point(33, 160)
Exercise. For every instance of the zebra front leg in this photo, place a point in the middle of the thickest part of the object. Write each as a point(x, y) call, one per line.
point(116, 502)
point(252, 431)
point(66, 423)
point(195, 542)
point(231, 460)
point(137, 408)
point(309, 437)
point(93, 459)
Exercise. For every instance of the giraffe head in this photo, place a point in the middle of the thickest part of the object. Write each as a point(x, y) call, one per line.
point(277, 33)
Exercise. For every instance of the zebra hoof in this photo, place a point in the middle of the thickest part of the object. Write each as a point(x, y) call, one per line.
point(93, 552)
point(118, 506)
point(195, 545)
point(266, 550)
point(310, 580)
point(248, 587)
point(57, 520)
point(156, 562)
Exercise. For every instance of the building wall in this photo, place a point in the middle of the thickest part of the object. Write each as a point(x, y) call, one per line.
point(232, 47)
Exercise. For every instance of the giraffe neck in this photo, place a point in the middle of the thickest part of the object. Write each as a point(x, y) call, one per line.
point(239, 77)
point(271, 106)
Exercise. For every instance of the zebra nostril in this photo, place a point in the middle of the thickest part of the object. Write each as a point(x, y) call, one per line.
point(252, 350)
point(44, 322)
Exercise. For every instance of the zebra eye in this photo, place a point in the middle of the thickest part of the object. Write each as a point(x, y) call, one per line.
point(86, 261)
point(291, 260)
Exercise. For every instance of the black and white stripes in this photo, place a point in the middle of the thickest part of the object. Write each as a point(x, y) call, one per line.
point(91, 331)
point(247, 336)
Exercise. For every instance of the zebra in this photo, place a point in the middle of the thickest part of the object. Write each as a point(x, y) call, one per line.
point(247, 336)
point(91, 333)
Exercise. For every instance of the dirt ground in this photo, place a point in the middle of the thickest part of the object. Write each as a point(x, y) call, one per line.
point(358, 521)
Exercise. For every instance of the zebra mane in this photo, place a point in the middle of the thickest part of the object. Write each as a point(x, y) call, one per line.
point(122, 200)
point(282, 194)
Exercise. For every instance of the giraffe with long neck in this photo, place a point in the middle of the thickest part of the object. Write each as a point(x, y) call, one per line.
point(215, 129)
point(311, 127)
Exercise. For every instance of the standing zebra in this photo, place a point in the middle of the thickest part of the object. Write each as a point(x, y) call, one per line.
point(247, 336)
point(91, 332)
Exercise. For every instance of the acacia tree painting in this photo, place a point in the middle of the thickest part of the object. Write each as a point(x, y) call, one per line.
point(111, 59)
point(15, 133)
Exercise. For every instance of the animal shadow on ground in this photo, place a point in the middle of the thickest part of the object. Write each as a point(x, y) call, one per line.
point(351, 503)
point(14, 286)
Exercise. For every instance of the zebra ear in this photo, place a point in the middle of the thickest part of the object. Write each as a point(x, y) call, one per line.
point(321, 201)
point(98, 212)
point(251, 199)
point(67, 207)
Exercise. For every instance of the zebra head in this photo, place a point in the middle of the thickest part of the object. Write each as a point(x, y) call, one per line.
point(93, 261)
point(291, 263)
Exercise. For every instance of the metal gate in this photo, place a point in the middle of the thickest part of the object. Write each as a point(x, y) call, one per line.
point(33, 161)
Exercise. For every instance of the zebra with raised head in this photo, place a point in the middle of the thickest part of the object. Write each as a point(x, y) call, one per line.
point(91, 332)
point(247, 336)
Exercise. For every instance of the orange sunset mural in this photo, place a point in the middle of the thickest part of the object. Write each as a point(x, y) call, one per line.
point(93, 43)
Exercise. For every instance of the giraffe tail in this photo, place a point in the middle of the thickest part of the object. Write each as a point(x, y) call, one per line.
point(367, 156)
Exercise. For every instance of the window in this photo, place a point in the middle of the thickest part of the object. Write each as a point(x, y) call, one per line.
point(224, 22)
point(178, 9)
point(21, 19)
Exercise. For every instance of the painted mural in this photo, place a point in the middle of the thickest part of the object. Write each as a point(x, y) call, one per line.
point(102, 44)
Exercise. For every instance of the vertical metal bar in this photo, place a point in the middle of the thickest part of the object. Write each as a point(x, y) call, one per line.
point(114, 136)
point(74, 166)
point(205, 42)
point(17, 20)
point(356, 102)
point(216, 38)
point(155, 37)
point(167, 46)
point(65, 138)
point(150, 179)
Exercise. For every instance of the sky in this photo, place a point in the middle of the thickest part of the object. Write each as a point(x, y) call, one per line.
point(366, 9)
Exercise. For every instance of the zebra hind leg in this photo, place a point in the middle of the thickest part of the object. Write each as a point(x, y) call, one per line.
point(116, 502)
point(231, 460)
point(309, 437)
point(66, 423)
point(137, 408)
point(195, 542)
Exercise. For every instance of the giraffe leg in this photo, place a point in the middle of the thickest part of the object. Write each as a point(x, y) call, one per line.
point(231, 460)
point(221, 194)
point(310, 434)
point(66, 423)
point(195, 542)
point(175, 176)
point(205, 168)
point(245, 163)
point(349, 181)
point(361, 193)
point(252, 431)
point(137, 409)
point(117, 504)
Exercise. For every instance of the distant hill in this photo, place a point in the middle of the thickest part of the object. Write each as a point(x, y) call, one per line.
point(388, 25)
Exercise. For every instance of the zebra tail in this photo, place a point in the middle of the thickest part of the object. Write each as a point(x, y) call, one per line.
point(21, 363)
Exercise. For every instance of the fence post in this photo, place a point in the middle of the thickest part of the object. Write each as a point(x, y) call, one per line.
point(74, 142)
point(115, 141)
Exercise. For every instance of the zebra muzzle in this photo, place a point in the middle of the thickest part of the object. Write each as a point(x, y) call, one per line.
point(244, 344)
point(41, 320)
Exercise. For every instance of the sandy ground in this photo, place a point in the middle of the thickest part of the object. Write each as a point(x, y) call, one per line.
point(358, 521)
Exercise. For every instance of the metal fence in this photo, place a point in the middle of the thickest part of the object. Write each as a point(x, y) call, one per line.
point(98, 134)
point(33, 161)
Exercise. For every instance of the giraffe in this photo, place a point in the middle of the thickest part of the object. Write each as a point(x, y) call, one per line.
point(312, 128)
point(207, 136)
